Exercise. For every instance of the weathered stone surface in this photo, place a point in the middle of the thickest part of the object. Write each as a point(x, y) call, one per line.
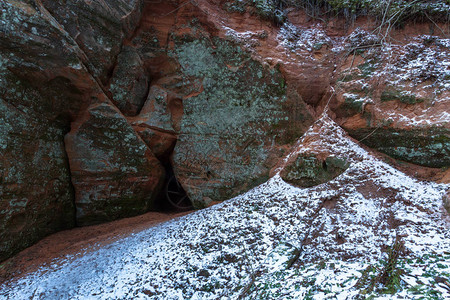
point(99, 28)
point(226, 92)
point(155, 123)
point(129, 83)
point(155, 112)
point(36, 196)
point(160, 143)
point(308, 171)
point(231, 112)
point(114, 173)
point(397, 101)
point(45, 82)
point(36, 99)
point(227, 131)
point(427, 147)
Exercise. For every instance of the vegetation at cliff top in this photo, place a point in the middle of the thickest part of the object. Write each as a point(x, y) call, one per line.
point(385, 10)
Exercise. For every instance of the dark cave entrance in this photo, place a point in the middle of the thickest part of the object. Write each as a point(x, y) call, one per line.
point(173, 197)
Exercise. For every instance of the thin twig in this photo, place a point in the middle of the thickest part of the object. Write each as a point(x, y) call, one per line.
point(426, 15)
point(184, 4)
point(370, 133)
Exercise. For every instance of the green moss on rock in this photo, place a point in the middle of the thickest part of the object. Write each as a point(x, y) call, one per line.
point(427, 147)
point(114, 173)
point(308, 171)
point(393, 95)
point(228, 130)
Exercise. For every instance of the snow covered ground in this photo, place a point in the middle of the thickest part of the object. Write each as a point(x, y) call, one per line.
point(344, 230)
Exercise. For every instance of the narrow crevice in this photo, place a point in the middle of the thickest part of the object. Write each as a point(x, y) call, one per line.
point(69, 174)
point(110, 72)
point(173, 197)
point(146, 8)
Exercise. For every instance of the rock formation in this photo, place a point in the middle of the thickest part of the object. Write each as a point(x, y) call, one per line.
point(114, 173)
point(98, 97)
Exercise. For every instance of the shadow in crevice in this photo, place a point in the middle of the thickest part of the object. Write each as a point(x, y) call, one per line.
point(173, 197)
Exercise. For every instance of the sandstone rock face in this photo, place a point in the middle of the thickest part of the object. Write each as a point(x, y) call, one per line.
point(426, 146)
point(36, 196)
point(129, 83)
point(114, 173)
point(228, 131)
point(214, 91)
point(155, 123)
point(230, 112)
point(46, 79)
point(99, 28)
point(397, 101)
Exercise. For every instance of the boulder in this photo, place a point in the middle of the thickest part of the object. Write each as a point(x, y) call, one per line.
point(309, 170)
point(229, 131)
point(114, 173)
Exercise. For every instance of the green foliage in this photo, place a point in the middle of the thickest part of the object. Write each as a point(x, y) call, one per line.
point(387, 277)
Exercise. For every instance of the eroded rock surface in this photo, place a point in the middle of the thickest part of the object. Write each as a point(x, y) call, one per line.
point(98, 27)
point(37, 96)
point(48, 76)
point(395, 99)
point(114, 173)
point(236, 112)
point(129, 83)
point(228, 131)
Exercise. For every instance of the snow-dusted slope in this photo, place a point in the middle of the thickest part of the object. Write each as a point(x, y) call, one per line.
point(343, 229)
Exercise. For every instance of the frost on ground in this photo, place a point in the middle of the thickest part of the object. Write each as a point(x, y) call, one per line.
point(306, 39)
point(344, 230)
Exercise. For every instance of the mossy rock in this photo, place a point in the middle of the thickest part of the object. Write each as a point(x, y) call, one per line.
point(368, 67)
point(353, 104)
point(309, 171)
point(229, 133)
point(114, 173)
point(428, 147)
point(393, 95)
point(35, 187)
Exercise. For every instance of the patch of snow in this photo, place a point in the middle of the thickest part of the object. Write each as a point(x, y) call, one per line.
point(297, 39)
point(249, 39)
